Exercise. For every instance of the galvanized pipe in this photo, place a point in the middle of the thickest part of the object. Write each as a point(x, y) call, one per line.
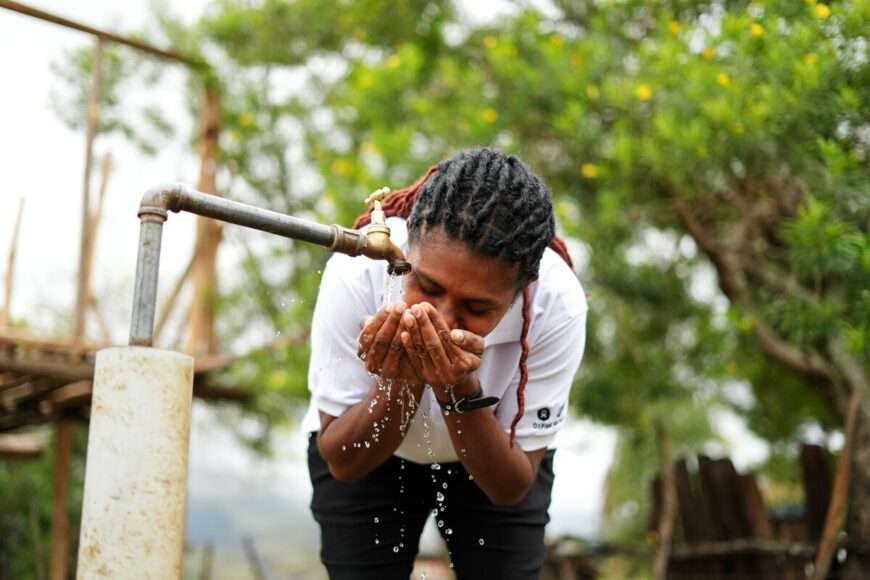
point(159, 201)
point(147, 269)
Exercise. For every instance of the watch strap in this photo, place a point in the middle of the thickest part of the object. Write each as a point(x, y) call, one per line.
point(471, 402)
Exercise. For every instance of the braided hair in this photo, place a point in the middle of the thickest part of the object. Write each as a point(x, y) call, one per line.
point(498, 207)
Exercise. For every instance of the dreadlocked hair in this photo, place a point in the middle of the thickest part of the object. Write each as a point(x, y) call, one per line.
point(499, 208)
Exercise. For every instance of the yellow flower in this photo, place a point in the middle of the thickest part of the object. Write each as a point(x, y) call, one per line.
point(490, 115)
point(589, 170)
point(757, 30)
point(246, 119)
point(822, 11)
point(643, 92)
point(723, 79)
point(366, 80)
point(557, 40)
point(278, 379)
point(674, 27)
point(592, 92)
point(394, 61)
point(490, 41)
point(708, 53)
point(811, 58)
point(342, 167)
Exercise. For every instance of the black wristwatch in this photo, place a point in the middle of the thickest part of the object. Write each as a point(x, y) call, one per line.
point(472, 402)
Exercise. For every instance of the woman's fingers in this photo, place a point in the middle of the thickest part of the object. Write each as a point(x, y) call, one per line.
point(380, 344)
point(416, 348)
point(432, 342)
point(455, 338)
point(370, 328)
point(390, 366)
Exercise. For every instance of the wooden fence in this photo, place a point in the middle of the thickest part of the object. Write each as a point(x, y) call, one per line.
point(724, 530)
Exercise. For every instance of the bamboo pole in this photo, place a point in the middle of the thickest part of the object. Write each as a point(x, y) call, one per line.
point(5, 316)
point(83, 286)
point(208, 234)
point(839, 496)
point(60, 493)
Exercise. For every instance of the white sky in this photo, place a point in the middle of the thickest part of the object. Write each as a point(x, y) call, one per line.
point(42, 162)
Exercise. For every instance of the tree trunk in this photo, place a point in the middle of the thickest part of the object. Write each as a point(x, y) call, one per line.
point(858, 520)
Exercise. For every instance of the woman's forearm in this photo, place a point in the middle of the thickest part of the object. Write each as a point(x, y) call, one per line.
point(368, 433)
point(504, 473)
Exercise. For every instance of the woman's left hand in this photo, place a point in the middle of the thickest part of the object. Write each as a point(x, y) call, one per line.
point(440, 356)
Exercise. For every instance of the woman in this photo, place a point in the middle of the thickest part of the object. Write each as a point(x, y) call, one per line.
point(449, 399)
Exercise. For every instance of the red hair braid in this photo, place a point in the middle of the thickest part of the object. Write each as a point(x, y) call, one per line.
point(399, 204)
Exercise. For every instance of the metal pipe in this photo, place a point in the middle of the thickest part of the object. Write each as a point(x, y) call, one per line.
point(159, 201)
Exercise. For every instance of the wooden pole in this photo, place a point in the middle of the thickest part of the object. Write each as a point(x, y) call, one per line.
point(5, 316)
point(208, 234)
point(60, 491)
point(839, 496)
point(207, 558)
point(254, 559)
point(63, 448)
point(669, 504)
point(94, 220)
point(172, 299)
point(83, 286)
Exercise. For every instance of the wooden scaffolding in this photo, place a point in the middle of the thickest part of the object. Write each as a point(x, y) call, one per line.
point(48, 380)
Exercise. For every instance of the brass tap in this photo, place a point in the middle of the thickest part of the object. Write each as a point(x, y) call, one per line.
point(378, 244)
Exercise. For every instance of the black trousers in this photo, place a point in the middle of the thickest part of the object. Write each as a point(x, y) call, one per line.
point(370, 529)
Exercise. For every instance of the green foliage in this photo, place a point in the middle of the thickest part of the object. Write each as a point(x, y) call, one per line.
point(751, 117)
point(25, 510)
point(123, 71)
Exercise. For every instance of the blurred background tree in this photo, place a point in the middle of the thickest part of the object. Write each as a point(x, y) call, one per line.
point(708, 162)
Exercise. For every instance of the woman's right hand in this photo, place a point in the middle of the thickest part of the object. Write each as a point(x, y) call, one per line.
point(380, 345)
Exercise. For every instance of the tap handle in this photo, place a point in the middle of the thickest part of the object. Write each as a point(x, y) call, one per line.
point(377, 196)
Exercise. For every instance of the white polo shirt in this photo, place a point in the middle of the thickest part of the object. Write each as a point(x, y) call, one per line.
point(353, 288)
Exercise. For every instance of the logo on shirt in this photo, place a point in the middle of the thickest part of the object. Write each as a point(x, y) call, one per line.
point(543, 414)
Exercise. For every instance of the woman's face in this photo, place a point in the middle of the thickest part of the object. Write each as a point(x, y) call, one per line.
point(472, 292)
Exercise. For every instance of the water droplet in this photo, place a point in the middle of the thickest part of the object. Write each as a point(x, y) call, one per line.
point(396, 549)
point(436, 466)
point(470, 478)
point(440, 523)
point(439, 496)
point(377, 520)
point(448, 531)
point(344, 447)
point(444, 485)
point(480, 541)
point(377, 541)
point(368, 444)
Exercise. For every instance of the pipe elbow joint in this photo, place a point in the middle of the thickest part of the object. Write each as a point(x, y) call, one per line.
point(161, 199)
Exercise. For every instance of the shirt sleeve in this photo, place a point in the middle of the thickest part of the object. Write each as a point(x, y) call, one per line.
point(337, 378)
point(553, 361)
